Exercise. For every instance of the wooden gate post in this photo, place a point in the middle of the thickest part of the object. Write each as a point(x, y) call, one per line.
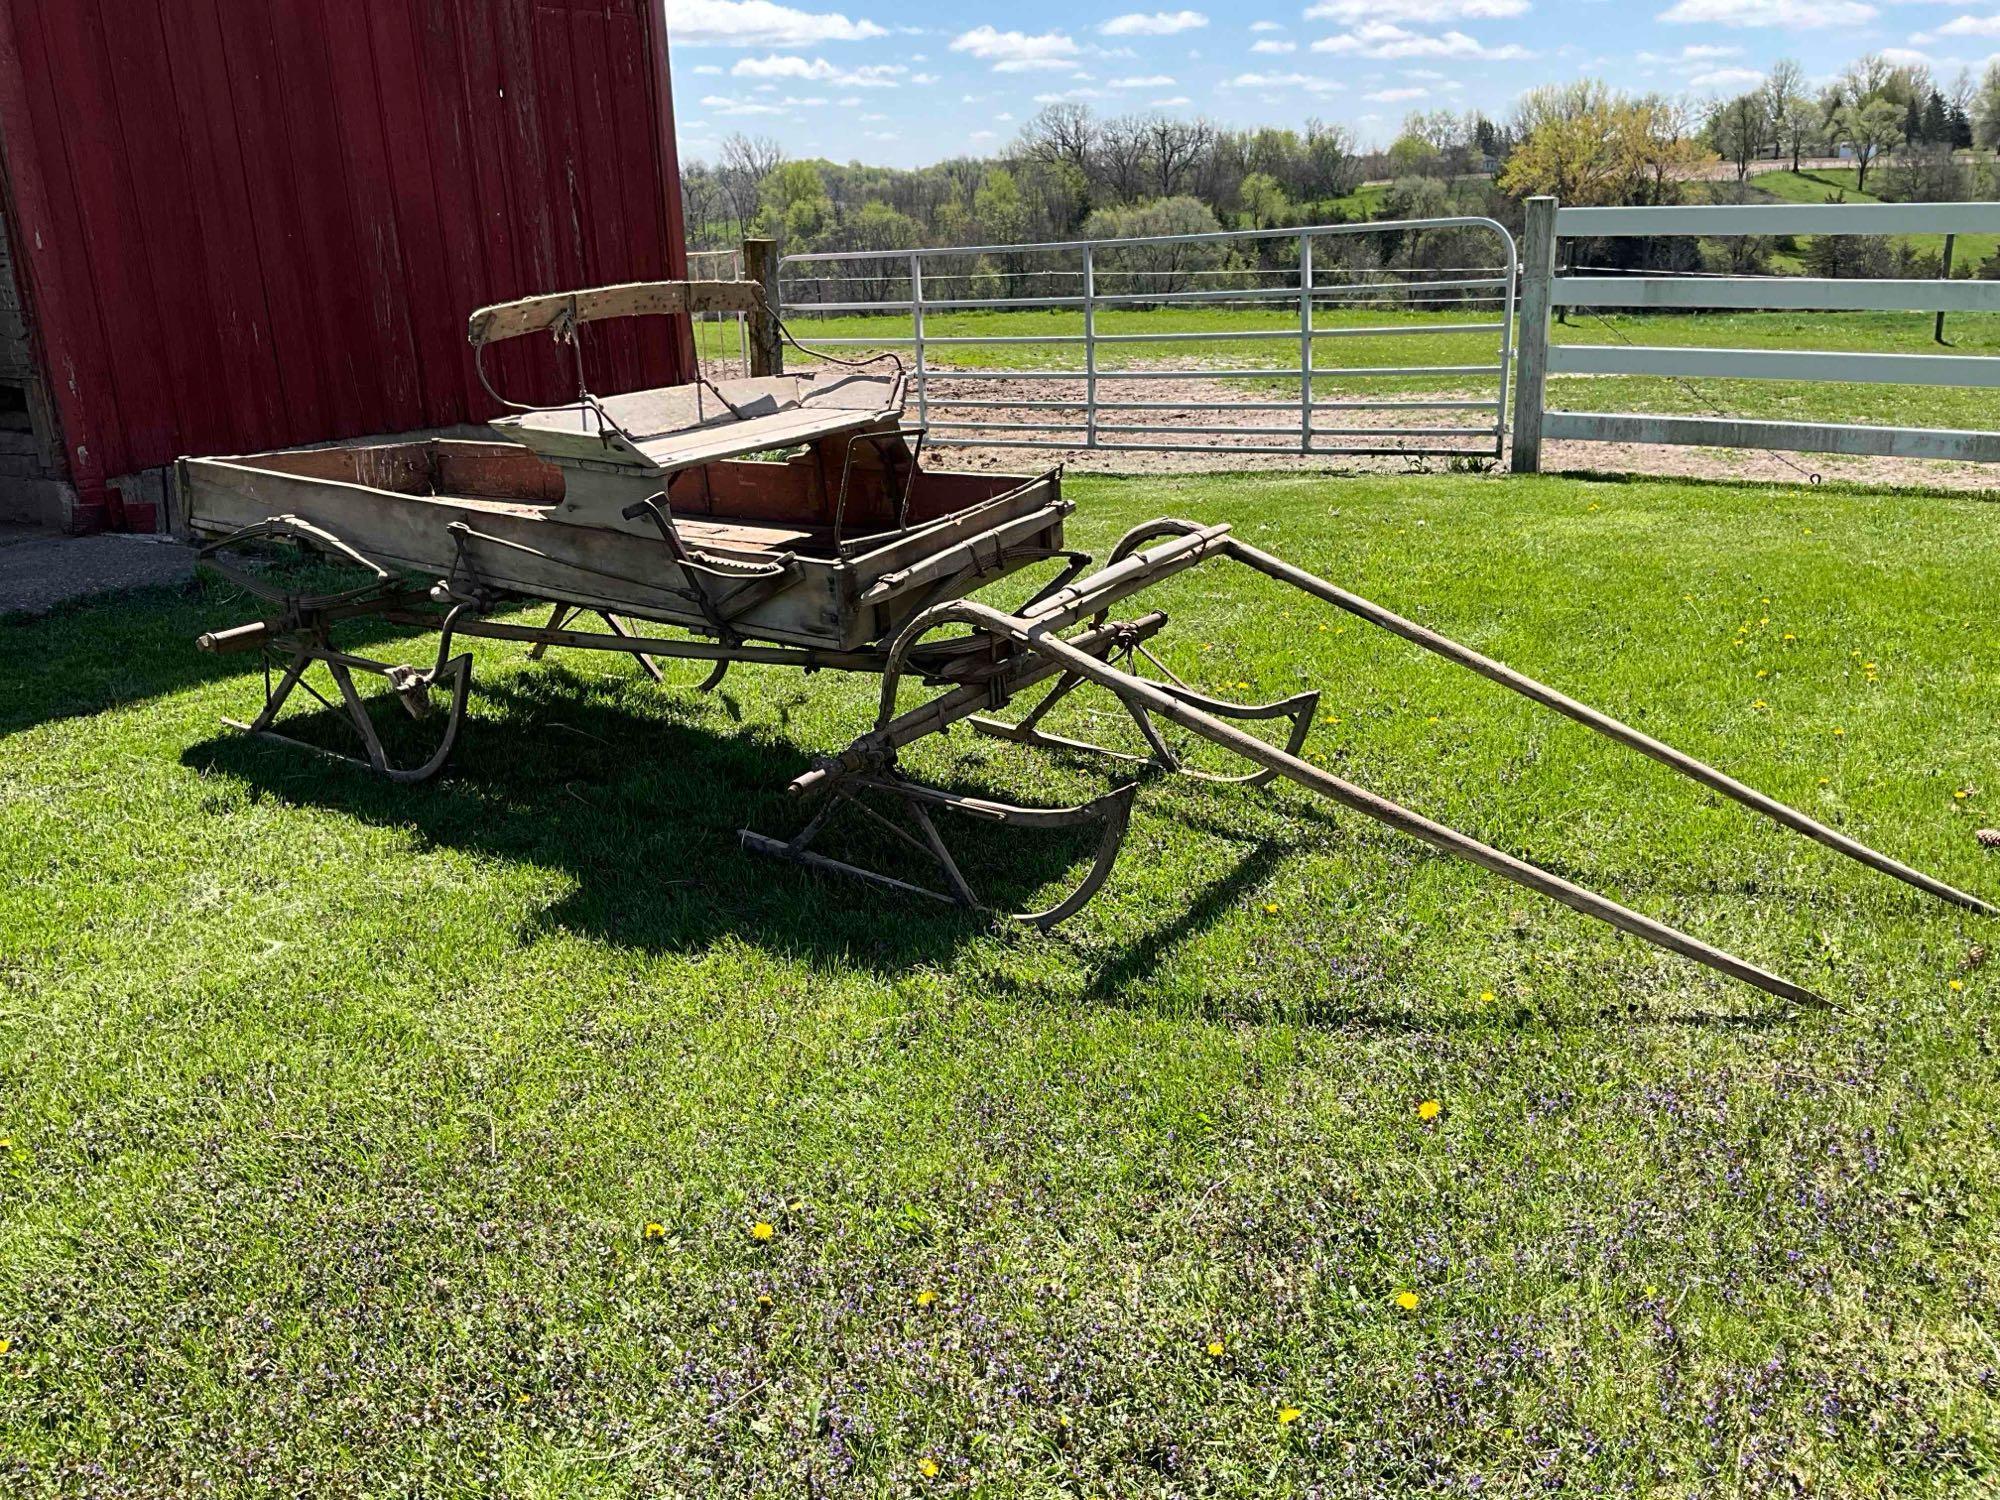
point(767, 349)
point(1538, 272)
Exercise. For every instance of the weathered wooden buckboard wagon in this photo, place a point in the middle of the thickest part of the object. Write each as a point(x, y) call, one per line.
point(832, 548)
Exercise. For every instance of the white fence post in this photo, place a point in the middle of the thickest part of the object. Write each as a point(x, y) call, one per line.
point(1538, 272)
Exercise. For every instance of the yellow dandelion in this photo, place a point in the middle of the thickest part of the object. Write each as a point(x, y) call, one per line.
point(1789, 636)
point(1433, 719)
point(1956, 984)
point(928, 1467)
point(1866, 666)
point(1687, 598)
point(1840, 734)
point(1288, 1415)
point(762, 1230)
point(1763, 619)
point(655, 1231)
point(1651, 1290)
point(6, 1143)
point(1759, 703)
point(1429, 1109)
point(1243, 684)
point(1215, 1349)
point(1762, 673)
point(1486, 997)
point(1407, 1301)
point(1271, 908)
point(1961, 794)
point(522, 1398)
point(926, 1297)
point(1826, 781)
point(6, 1346)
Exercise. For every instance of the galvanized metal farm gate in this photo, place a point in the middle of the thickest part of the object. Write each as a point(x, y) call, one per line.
point(1081, 386)
point(1544, 287)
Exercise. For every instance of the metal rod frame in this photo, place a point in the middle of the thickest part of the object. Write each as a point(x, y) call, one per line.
point(1305, 288)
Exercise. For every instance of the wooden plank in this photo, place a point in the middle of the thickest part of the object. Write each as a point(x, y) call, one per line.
point(441, 61)
point(636, 299)
point(1725, 220)
point(1837, 366)
point(1831, 295)
point(1796, 437)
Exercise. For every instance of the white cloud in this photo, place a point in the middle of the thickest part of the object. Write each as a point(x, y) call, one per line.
point(708, 68)
point(1385, 40)
point(1017, 52)
point(1726, 78)
point(759, 23)
point(1176, 102)
point(1157, 23)
point(1800, 15)
point(1904, 57)
point(1265, 26)
point(1429, 12)
point(1963, 26)
point(1304, 81)
point(1068, 96)
point(1157, 81)
point(994, 135)
point(725, 106)
point(819, 70)
point(1395, 96)
point(1276, 49)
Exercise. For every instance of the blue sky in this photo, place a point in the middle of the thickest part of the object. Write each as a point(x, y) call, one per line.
point(901, 84)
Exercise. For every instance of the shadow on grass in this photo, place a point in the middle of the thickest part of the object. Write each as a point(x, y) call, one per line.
point(113, 650)
point(633, 802)
point(1829, 483)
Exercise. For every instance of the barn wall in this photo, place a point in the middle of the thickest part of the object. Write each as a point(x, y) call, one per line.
point(242, 225)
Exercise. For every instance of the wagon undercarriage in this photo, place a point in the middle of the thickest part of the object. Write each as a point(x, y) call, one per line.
point(843, 556)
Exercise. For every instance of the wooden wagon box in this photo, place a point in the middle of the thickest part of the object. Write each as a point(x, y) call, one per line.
point(498, 516)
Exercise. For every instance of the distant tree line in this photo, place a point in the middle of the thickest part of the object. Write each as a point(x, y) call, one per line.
point(1071, 174)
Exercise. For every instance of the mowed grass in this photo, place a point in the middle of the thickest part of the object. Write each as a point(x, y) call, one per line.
point(336, 1114)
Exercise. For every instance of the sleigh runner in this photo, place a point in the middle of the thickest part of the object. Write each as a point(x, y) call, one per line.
point(836, 551)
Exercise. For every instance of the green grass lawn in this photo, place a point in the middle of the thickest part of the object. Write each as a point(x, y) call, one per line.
point(1821, 184)
point(335, 1115)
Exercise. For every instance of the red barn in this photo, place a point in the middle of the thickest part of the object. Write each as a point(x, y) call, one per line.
point(233, 225)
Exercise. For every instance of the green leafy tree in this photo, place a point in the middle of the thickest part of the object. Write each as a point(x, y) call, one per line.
point(1265, 205)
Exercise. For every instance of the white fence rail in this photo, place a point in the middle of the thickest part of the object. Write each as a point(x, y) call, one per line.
point(1088, 387)
point(1542, 289)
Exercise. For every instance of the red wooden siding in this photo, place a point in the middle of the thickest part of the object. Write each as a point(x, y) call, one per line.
point(241, 225)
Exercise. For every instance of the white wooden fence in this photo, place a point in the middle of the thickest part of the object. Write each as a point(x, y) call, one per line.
point(1542, 290)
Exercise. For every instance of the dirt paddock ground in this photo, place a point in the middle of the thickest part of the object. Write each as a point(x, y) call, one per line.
point(1205, 402)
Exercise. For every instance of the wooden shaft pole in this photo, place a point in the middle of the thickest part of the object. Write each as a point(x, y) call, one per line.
point(1137, 690)
point(1604, 724)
